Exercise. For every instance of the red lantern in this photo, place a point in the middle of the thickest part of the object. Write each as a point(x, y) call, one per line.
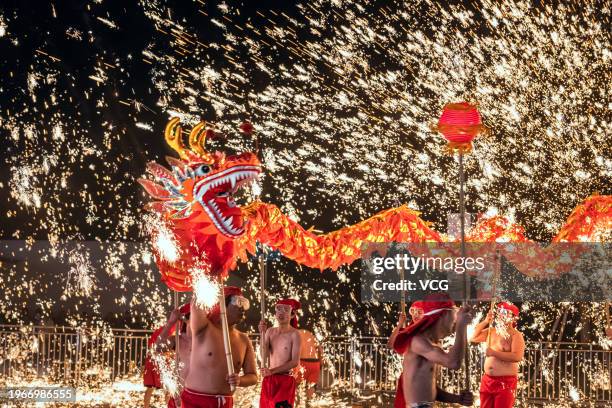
point(460, 123)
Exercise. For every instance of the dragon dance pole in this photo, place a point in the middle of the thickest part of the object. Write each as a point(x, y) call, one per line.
point(262, 297)
point(176, 339)
point(225, 330)
point(403, 292)
point(496, 272)
point(176, 333)
point(466, 277)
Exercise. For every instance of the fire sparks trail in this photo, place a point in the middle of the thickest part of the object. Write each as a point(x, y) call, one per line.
point(205, 290)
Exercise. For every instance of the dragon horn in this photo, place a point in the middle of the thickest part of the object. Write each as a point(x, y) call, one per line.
point(174, 139)
point(194, 138)
point(197, 141)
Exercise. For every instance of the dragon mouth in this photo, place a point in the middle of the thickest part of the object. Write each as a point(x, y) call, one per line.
point(215, 196)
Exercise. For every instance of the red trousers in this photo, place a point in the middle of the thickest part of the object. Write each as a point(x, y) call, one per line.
point(194, 399)
point(277, 391)
point(150, 376)
point(400, 401)
point(497, 392)
point(309, 371)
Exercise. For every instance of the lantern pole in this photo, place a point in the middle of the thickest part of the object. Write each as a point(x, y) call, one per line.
point(466, 280)
point(466, 277)
point(459, 124)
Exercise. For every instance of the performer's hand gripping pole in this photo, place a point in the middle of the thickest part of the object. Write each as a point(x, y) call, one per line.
point(225, 329)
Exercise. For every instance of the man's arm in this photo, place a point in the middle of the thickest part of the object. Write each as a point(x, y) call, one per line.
point(198, 319)
point(516, 353)
point(454, 357)
point(249, 367)
point(451, 359)
point(162, 339)
point(465, 398)
point(481, 331)
point(296, 344)
point(444, 396)
point(264, 348)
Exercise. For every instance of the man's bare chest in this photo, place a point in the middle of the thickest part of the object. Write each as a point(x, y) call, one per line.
point(500, 343)
point(281, 342)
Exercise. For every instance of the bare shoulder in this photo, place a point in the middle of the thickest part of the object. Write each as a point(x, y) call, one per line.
point(244, 338)
point(420, 344)
point(296, 334)
point(517, 335)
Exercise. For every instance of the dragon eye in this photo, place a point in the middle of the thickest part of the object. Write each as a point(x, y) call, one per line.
point(202, 170)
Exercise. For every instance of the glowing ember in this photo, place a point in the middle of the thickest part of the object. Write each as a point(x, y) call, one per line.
point(164, 240)
point(168, 372)
point(206, 290)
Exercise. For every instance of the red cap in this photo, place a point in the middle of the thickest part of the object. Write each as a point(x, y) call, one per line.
point(509, 307)
point(231, 291)
point(433, 307)
point(295, 305)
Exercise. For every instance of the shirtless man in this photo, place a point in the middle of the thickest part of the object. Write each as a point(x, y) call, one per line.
point(207, 384)
point(505, 349)
point(167, 338)
point(311, 354)
point(416, 312)
point(283, 345)
point(419, 344)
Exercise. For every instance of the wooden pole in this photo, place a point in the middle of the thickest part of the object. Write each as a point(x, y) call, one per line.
point(402, 293)
point(176, 333)
point(466, 277)
point(262, 298)
point(608, 328)
point(496, 274)
point(177, 329)
point(225, 330)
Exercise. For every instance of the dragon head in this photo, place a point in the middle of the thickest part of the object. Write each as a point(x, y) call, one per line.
point(196, 204)
point(200, 185)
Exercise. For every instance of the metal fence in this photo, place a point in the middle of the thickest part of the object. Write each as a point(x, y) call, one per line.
point(551, 371)
point(71, 355)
